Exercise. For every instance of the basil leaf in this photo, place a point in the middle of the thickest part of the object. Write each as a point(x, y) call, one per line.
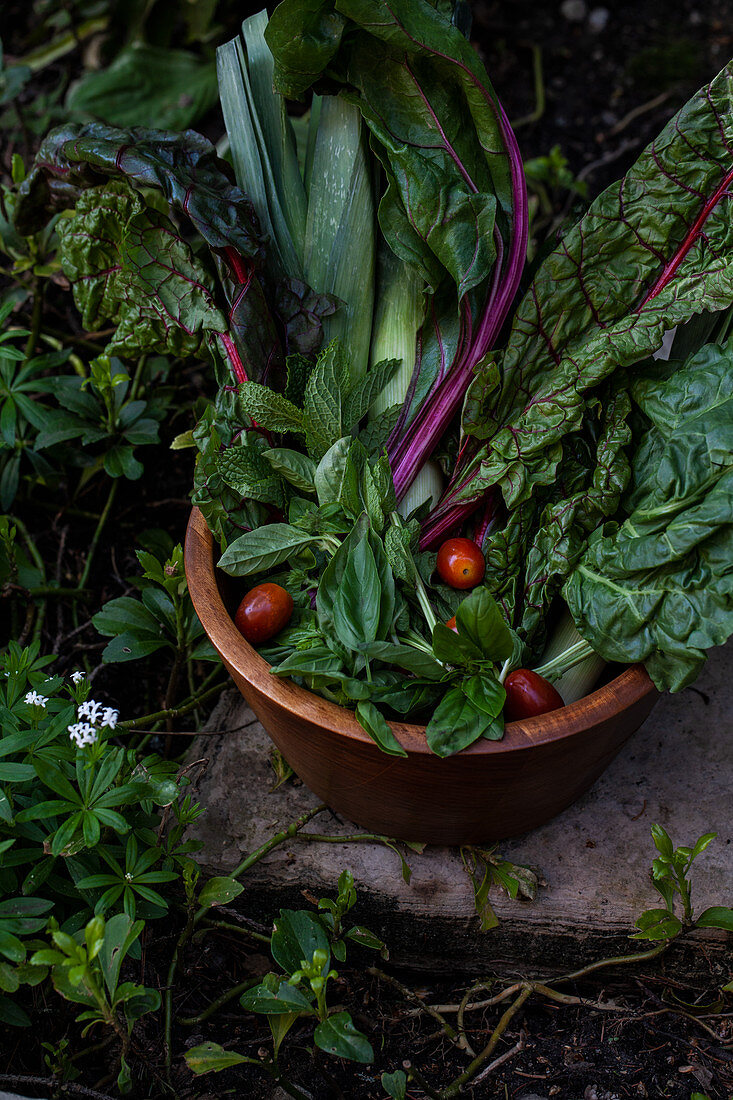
point(479, 619)
point(356, 608)
point(486, 693)
point(405, 656)
point(318, 660)
point(256, 551)
point(371, 720)
point(336, 480)
point(330, 582)
point(297, 468)
point(452, 648)
point(455, 724)
point(387, 593)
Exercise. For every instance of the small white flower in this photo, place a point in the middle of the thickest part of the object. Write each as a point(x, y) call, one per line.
point(128, 876)
point(36, 700)
point(82, 733)
point(77, 676)
point(90, 709)
point(109, 717)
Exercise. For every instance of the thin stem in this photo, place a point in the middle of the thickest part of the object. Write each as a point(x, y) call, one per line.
point(173, 712)
point(569, 658)
point(135, 384)
point(279, 838)
point(410, 995)
point(415, 1075)
point(225, 998)
point(455, 1086)
point(97, 534)
point(226, 926)
point(615, 960)
point(36, 319)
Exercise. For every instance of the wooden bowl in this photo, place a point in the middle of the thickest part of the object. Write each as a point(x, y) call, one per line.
point(491, 790)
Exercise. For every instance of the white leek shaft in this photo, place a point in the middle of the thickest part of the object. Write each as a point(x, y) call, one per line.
point(579, 680)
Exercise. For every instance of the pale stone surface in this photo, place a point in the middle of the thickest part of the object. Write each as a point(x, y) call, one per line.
point(595, 857)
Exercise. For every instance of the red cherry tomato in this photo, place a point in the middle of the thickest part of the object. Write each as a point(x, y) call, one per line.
point(528, 695)
point(263, 612)
point(460, 563)
point(451, 624)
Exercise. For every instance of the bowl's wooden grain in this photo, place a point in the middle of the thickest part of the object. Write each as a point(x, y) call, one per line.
point(491, 790)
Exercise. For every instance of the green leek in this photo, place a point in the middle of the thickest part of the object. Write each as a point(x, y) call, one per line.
point(340, 229)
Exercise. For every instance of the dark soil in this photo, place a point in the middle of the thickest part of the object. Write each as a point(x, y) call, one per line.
point(643, 1047)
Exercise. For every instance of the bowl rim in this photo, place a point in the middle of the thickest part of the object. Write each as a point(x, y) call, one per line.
point(627, 689)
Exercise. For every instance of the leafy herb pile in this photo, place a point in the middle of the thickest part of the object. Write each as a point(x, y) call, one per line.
point(357, 289)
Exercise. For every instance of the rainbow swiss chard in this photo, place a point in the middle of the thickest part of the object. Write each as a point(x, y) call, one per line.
point(651, 251)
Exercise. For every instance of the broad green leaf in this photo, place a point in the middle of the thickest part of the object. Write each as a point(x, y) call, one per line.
point(333, 474)
point(119, 934)
point(452, 648)
point(295, 467)
point(717, 916)
point(485, 692)
point(337, 1035)
point(455, 724)
point(251, 475)
point(412, 660)
point(325, 391)
point(288, 999)
point(373, 721)
point(128, 266)
point(657, 924)
point(656, 587)
point(395, 1084)
point(356, 609)
point(211, 1058)
point(269, 409)
point(129, 647)
point(362, 396)
point(260, 550)
point(219, 891)
point(649, 251)
point(147, 86)
point(479, 619)
point(296, 935)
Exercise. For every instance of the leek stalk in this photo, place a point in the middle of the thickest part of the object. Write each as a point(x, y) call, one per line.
point(570, 662)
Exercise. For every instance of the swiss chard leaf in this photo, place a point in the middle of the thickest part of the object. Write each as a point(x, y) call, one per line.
point(128, 265)
point(651, 252)
point(657, 586)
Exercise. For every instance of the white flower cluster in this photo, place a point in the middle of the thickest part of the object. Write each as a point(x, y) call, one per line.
point(77, 676)
point(36, 700)
point(97, 717)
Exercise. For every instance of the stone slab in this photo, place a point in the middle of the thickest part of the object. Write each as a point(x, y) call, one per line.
point(595, 857)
